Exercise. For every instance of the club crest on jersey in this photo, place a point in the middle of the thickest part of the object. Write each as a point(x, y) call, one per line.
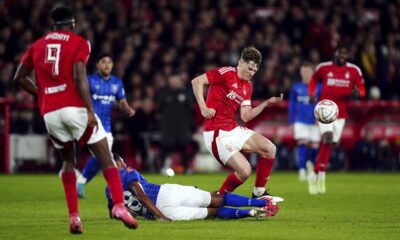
point(234, 85)
point(114, 88)
point(347, 75)
point(330, 74)
point(97, 86)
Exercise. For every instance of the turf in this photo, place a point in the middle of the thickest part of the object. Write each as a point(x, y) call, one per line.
point(356, 206)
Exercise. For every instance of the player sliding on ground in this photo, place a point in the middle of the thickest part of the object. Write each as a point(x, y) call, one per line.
point(167, 202)
point(59, 60)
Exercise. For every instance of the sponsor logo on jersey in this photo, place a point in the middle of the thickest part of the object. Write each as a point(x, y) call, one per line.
point(234, 96)
point(105, 99)
point(114, 88)
point(338, 82)
point(55, 89)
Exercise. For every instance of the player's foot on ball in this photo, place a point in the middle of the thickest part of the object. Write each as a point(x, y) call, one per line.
point(75, 225)
point(119, 211)
point(80, 187)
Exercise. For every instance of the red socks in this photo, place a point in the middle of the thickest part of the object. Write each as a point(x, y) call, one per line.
point(263, 170)
point(69, 182)
point(230, 184)
point(114, 183)
point(323, 158)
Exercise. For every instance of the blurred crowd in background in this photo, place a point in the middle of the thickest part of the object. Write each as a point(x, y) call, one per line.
point(153, 40)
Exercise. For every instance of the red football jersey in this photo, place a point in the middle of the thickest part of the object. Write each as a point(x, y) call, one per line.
point(226, 93)
point(53, 57)
point(337, 83)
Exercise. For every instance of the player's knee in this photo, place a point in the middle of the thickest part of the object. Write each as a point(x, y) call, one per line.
point(244, 173)
point(270, 150)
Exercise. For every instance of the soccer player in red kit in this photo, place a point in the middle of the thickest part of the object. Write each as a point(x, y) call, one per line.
point(230, 88)
point(340, 79)
point(59, 60)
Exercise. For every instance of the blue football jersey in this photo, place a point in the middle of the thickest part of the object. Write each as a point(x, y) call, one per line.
point(130, 175)
point(300, 109)
point(104, 93)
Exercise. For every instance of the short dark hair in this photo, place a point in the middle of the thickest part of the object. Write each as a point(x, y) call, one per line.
point(103, 55)
point(62, 15)
point(342, 46)
point(251, 54)
point(307, 64)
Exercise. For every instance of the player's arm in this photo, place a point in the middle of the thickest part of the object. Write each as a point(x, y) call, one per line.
point(82, 86)
point(292, 106)
point(359, 88)
point(247, 113)
point(124, 106)
point(137, 190)
point(198, 89)
point(312, 86)
point(23, 79)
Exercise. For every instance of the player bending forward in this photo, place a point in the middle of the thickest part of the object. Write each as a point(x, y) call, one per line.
point(231, 89)
point(167, 202)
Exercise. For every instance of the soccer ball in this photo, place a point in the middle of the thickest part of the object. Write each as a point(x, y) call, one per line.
point(326, 111)
point(133, 204)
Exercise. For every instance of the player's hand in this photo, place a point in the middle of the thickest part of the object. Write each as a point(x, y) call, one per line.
point(356, 92)
point(92, 121)
point(207, 112)
point(312, 99)
point(130, 112)
point(164, 219)
point(274, 100)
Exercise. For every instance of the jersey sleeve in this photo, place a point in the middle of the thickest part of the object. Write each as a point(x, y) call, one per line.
point(121, 90)
point(132, 176)
point(214, 76)
point(360, 83)
point(247, 98)
point(83, 52)
point(27, 58)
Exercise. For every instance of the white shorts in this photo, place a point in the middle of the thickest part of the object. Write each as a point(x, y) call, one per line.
point(68, 124)
point(336, 127)
point(226, 143)
point(308, 132)
point(179, 202)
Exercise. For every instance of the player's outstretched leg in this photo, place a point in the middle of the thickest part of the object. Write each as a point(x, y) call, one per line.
point(89, 171)
point(302, 158)
point(111, 174)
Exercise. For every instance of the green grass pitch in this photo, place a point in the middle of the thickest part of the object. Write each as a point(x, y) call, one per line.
point(356, 206)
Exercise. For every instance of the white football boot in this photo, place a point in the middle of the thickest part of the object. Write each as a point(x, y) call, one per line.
point(302, 175)
point(311, 178)
point(321, 182)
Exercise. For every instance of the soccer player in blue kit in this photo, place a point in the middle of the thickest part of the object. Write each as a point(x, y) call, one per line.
point(105, 90)
point(166, 202)
point(301, 117)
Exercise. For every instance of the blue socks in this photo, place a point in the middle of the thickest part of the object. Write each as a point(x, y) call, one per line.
point(302, 155)
point(91, 168)
point(312, 154)
point(232, 213)
point(235, 200)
